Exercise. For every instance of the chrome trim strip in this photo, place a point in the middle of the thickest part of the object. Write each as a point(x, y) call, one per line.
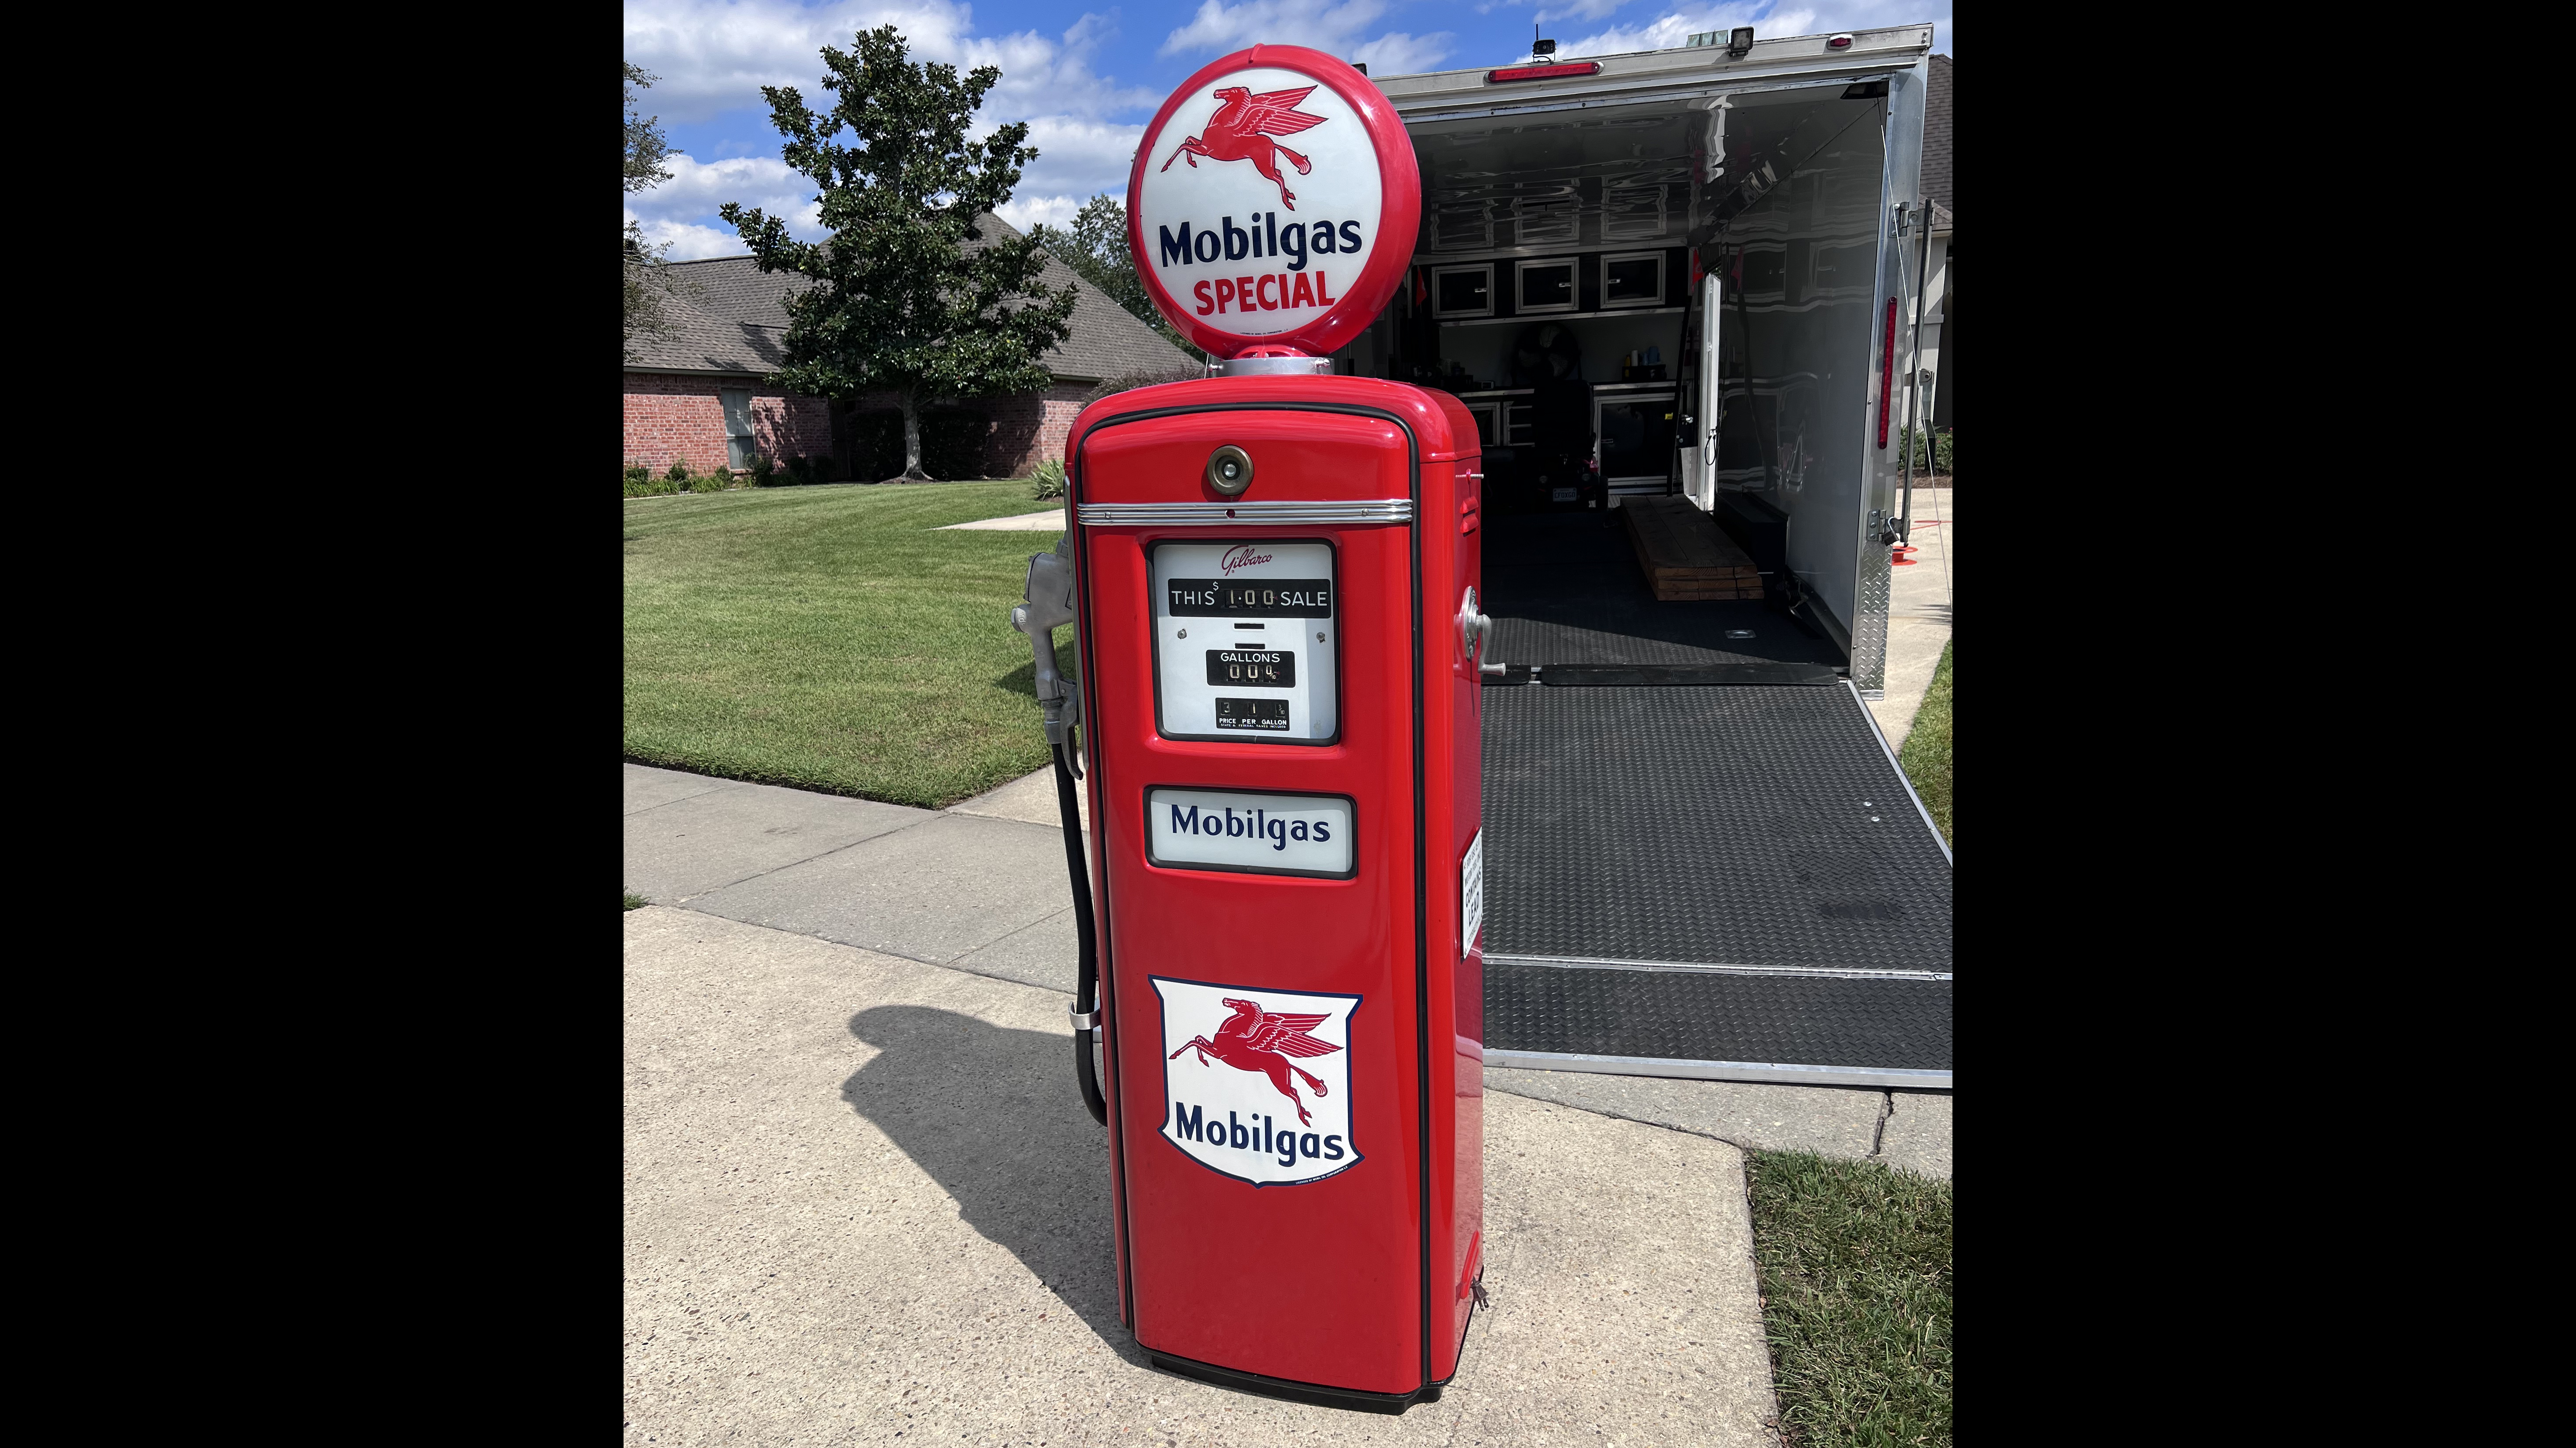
point(1884, 1078)
point(1226, 515)
point(1834, 973)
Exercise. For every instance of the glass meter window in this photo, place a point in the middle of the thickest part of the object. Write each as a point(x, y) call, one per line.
point(1245, 641)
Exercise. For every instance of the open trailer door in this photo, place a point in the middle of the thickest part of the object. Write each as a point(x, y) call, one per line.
point(1701, 859)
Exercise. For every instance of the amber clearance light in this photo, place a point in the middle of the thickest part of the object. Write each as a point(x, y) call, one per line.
point(1544, 72)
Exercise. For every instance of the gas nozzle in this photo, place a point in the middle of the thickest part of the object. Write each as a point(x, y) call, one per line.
point(1050, 607)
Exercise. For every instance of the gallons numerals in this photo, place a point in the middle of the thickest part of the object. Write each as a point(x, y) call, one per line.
point(1256, 668)
point(1249, 598)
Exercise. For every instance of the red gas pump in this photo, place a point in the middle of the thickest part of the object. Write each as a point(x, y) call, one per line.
point(1273, 576)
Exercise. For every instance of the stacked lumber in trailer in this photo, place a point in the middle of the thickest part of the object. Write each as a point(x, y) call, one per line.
point(1684, 554)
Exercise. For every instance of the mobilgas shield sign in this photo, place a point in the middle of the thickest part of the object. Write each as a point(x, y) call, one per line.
point(1257, 1080)
point(1275, 200)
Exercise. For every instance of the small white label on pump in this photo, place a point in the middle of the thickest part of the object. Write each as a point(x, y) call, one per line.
point(1471, 893)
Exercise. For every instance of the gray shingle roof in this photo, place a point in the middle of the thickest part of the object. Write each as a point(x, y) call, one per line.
point(1936, 134)
point(697, 338)
point(730, 317)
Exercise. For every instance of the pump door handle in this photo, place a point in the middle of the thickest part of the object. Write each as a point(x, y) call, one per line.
point(1475, 629)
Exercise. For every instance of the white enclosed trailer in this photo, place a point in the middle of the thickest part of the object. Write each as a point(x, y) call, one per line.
point(1779, 190)
point(1704, 264)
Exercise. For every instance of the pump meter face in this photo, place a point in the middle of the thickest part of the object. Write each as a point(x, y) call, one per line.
point(1246, 636)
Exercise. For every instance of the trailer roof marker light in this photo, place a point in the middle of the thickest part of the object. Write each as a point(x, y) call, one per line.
point(1543, 72)
point(1839, 42)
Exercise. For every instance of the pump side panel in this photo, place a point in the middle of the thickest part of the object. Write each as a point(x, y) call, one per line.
point(1318, 1281)
point(1453, 551)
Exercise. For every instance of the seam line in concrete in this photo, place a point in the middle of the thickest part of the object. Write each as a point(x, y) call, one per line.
point(1878, 1133)
point(951, 961)
point(1618, 1116)
point(895, 954)
point(716, 787)
point(809, 859)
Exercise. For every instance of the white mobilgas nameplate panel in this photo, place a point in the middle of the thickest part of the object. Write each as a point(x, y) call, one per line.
point(1261, 834)
point(1246, 639)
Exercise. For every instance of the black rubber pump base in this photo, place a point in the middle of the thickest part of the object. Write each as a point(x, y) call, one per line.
point(1296, 1392)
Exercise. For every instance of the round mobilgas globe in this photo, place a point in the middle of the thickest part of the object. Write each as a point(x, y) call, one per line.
point(1274, 203)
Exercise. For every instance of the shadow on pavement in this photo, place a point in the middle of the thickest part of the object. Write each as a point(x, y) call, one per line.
point(993, 1115)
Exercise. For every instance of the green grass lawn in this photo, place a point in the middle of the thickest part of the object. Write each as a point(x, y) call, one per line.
point(1855, 1261)
point(1926, 755)
point(827, 638)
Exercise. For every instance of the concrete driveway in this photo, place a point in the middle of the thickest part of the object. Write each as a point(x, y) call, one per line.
point(1918, 613)
point(864, 1205)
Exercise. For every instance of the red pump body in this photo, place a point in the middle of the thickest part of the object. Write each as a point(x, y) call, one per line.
point(1281, 695)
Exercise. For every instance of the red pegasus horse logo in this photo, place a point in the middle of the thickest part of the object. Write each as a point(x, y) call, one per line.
point(1242, 128)
point(1255, 1040)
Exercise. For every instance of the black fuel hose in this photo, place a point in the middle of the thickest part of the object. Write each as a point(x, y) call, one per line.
point(1086, 985)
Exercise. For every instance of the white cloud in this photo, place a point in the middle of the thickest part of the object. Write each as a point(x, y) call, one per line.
point(679, 210)
point(1395, 54)
point(1024, 211)
point(1083, 155)
point(1767, 17)
point(689, 242)
point(1333, 29)
point(714, 57)
point(1579, 10)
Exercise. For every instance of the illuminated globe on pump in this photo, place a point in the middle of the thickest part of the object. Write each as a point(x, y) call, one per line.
point(1274, 203)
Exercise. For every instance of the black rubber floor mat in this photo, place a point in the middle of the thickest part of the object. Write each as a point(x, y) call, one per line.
point(1896, 1025)
point(1565, 589)
point(1750, 825)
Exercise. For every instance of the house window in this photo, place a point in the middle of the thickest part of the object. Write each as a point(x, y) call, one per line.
point(737, 420)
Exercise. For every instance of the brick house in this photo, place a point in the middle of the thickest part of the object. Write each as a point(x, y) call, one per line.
point(695, 394)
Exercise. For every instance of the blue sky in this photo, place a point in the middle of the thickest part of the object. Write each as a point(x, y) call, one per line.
point(1087, 78)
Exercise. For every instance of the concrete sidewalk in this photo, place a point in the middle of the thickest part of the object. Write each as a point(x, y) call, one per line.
point(1049, 521)
point(981, 887)
point(1918, 615)
point(864, 1205)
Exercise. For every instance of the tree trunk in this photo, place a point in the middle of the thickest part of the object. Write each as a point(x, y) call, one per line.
point(912, 472)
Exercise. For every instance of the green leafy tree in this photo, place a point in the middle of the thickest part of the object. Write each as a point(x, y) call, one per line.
point(646, 149)
point(909, 294)
point(1095, 246)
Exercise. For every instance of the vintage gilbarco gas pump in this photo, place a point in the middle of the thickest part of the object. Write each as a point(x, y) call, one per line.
point(1272, 576)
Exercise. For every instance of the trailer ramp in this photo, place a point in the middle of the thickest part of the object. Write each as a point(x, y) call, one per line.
point(1701, 859)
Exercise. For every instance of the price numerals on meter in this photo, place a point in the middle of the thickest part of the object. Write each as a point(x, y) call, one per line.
point(1249, 598)
point(1256, 668)
point(1268, 715)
